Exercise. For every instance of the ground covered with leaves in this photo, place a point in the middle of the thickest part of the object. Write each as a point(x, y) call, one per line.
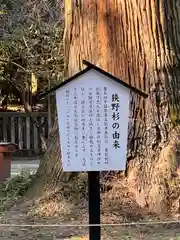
point(118, 207)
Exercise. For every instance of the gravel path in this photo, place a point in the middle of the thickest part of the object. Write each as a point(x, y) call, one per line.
point(26, 163)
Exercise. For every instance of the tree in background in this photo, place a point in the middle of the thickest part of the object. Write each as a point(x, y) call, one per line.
point(30, 45)
point(31, 54)
point(137, 41)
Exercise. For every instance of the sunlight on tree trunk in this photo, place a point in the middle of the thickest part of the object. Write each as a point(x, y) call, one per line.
point(137, 41)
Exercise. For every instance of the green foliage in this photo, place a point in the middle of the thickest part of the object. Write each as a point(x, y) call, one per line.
point(14, 188)
point(32, 37)
point(174, 115)
point(11, 4)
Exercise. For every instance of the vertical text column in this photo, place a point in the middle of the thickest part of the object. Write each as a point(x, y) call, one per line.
point(68, 126)
point(105, 98)
point(83, 124)
point(115, 116)
point(90, 124)
point(98, 119)
point(75, 107)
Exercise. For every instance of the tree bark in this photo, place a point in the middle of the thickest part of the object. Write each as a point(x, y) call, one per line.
point(137, 41)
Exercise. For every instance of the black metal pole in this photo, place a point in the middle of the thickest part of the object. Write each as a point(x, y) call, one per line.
point(94, 205)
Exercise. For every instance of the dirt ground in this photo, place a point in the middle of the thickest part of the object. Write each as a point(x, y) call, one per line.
point(115, 209)
point(19, 216)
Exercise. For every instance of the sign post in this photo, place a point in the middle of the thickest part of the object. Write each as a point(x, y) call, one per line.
point(94, 205)
point(93, 113)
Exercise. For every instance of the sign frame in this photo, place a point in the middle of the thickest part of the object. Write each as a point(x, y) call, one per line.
point(93, 176)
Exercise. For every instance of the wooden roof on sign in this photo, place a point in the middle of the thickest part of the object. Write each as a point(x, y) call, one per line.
point(91, 66)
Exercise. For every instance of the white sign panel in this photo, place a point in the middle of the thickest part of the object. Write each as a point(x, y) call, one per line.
point(93, 113)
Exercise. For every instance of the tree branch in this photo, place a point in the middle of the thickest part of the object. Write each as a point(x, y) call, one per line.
point(16, 64)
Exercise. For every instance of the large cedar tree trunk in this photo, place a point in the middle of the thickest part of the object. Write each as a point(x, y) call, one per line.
point(137, 41)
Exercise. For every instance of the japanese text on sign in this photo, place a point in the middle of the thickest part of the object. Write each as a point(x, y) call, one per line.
point(68, 126)
point(115, 116)
point(93, 123)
